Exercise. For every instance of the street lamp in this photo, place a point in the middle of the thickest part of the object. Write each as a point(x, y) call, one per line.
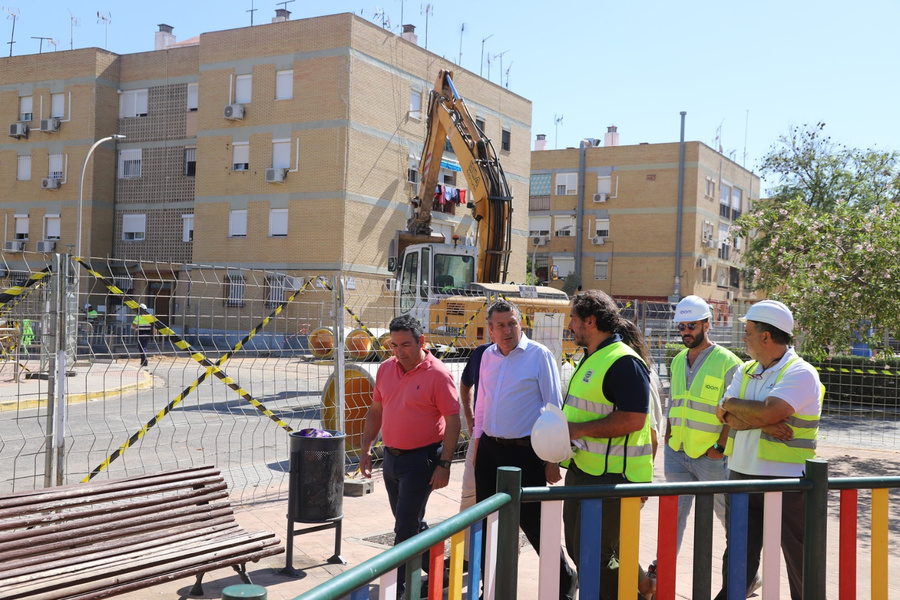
point(115, 136)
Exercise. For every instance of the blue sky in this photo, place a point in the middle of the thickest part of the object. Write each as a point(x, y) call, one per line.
point(751, 68)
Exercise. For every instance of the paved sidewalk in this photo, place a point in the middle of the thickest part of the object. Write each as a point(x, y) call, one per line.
point(370, 516)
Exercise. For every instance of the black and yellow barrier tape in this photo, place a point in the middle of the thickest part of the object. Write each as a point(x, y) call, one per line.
point(356, 318)
point(9, 307)
point(462, 331)
point(16, 290)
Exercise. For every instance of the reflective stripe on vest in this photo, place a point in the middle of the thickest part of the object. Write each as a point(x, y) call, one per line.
point(805, 428)
point(692, 417)
point(631, 455)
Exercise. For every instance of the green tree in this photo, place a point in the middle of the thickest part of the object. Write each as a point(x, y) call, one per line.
point(571, 283)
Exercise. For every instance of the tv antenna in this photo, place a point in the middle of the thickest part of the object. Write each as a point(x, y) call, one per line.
point(507, 74)
point(14, 15)
point(251, 11)
point(381, 15)
point(106, 19)
point(73, 22)
point(481, 68)
point(461, 30)
point(55, 43)
point(41, 45)
point(427, 9)
point(284, 4)
point(500, 56)
point(489, 66)
point(402, 22)
point(557, 119)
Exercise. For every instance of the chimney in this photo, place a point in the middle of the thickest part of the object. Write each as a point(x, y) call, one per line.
point(612, 137)
point(409, 34)
point(281, 15)
point(541, 142)
point(164, 37)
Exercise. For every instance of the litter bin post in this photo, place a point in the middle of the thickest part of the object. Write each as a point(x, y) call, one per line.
point(315, 489)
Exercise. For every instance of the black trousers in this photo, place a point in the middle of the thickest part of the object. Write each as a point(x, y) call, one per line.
point(792, 529)
point(492, 455)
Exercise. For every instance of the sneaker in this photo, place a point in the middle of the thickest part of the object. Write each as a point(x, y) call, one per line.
point(754, 585)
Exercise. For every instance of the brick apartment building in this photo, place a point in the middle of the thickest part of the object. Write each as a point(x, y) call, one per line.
point(628, 220)
point(290, 146)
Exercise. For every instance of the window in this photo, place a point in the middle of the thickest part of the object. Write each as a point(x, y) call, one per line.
point(601, 270)
point(134, 227)
point(284, 84)
point(707, 275)
point(237, 223)
point(412, 170)
point(479, 123)
point(58, 105)
point(722, 277)
point(725, 201)
point(193, 96)
point(25, 108)
point(190, 162)
point(23, 169)
point(724, 250)
point(710, 188)
point(505, 140)
point(539, 226)
point(448, 147)
point(17, 277)
point(133, 103)
point(737, 197)
point(566, 184)
point(708, 232)
point(243, 89)
point(21, 227)
point(187, 228)
point(130, 163)
point(281, 154)
point(51, 227)
point(234, 289)
point(275, 285)
point(564, 265)
point(415, 104)
point(601, 227)
point(278, 222)
point(55, 166)
point(241, 159)
point(563, 226)
point(604, 185)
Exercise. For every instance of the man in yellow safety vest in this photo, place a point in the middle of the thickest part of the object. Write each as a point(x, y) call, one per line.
point(695, 439)
point(773, 406)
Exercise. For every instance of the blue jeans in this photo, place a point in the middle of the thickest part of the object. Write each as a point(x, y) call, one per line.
point(681, 467)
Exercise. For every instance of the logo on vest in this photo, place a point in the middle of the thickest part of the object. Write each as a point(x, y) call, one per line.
point(587, 376)
point(711, 387)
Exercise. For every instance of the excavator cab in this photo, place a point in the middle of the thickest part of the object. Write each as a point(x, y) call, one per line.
point(429, 272)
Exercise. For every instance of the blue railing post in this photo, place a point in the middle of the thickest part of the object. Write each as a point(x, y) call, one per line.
point(509, 481)
point(815, 535)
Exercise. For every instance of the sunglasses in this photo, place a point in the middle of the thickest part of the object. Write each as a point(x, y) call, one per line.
point(688, 326)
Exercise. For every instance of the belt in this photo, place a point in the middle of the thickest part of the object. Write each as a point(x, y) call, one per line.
point(401, 451)
point(522, 441)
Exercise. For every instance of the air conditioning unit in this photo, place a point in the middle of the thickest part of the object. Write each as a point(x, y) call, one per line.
point(391, 284)
point(275, 175)
point(729, 295)
point(701, 262)
point(539, 240)
point(294, 283)
point(14, 246)
point(710, 243)
point(598, 240)
point(48, 246)
point(51, 124)
point(49, 184)
point(600, 197)
point(18, 130)
point(234, 111)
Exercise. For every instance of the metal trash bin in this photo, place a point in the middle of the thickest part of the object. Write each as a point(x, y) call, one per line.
point(316, 489)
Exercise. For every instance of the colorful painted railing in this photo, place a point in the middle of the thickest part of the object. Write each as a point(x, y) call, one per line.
point(501, 515)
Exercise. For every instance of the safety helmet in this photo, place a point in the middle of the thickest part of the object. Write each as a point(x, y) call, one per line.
point(144, 306)
point(550, 435)
point(691, 308)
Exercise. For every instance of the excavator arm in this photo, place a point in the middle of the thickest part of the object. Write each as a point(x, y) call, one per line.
point(489, 194)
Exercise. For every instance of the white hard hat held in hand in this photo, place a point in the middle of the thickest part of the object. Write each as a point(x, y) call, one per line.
point(550, 435)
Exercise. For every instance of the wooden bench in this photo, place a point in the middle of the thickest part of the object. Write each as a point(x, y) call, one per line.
point(95, 540)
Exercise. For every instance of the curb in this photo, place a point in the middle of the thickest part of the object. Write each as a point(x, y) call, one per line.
point(19, 404)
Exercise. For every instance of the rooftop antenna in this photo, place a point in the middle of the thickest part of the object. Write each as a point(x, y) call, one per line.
point(500, 56)
point(557, 119)
point(41, 45)
point(381, 15)
point(252, 10)
point(73, 21)
point(284, 4)
point(717, 143)
point(427, 9)
point(105, 18)
point(507, 74)
point(14, 15)
point(481, 68)
point(55, 43)
point(461, 29)
point(401, 12)
point(489, 67)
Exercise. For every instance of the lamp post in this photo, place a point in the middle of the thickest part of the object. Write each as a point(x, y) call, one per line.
point(81, 188)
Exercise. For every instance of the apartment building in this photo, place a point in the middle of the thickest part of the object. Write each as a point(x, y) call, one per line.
point(613, 221)
point(291, 146)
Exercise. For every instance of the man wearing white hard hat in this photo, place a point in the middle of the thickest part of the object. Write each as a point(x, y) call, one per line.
point(695, 439)
point(773, 406)
point(142, 326)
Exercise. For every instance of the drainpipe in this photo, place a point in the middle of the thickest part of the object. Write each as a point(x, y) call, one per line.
point(676, 293)
point(579, 214)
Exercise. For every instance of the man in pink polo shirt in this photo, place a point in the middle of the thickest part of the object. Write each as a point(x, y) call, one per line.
point(416, 408)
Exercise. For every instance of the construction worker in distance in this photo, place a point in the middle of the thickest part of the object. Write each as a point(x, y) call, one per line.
point(143, 328)
point(27, 336)
point(695, 439)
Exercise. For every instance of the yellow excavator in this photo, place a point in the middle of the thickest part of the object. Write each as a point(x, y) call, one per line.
point(446, 284)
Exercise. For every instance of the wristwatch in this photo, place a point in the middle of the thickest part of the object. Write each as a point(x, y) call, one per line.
point(719, 448)
point(444, 463)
